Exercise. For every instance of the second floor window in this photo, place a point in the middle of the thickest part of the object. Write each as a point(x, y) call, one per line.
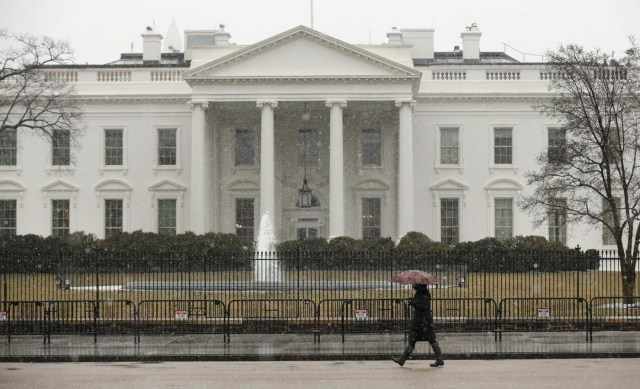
point(371, 147)
point(61, 148)
point(167, 146)
point(113, 146)
point(503, 146)
point(8, 217)
point(449, 146)
point(308, 146)
point(8, 147)
point(557, 144)
point(244, 147)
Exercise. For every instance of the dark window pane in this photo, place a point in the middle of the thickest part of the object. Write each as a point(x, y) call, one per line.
point(8, 147)
point(61, 148)
point(167, 146)
point(244, 218)
point(113, 146)
point(167, 216)
point(503, 146)
point(371, 147)
point(370, 218)
point(59, 217)
point(8, 217)
point(112, 217)
point(244, 147)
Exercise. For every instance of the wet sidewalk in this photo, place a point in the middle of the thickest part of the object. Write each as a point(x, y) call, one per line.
point(303, 347)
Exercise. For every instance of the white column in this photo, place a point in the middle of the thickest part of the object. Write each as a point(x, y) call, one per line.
point(336, 169)
point(405, 166)
point(199, 203)
point(267, 159)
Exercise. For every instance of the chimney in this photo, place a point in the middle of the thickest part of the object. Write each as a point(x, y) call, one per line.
point(422, 41)
point(395, 36)
point(151, 45)
point(221, 37)
point(471, 43)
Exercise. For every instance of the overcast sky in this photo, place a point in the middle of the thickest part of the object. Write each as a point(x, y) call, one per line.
point(99, 30)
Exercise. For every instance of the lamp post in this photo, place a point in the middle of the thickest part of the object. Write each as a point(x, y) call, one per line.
point(305, 199)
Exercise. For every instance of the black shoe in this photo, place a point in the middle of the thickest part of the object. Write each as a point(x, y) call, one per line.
point(437, 363)
point(399, 360)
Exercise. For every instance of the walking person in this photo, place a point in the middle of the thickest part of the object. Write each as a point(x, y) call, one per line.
point(421, 326)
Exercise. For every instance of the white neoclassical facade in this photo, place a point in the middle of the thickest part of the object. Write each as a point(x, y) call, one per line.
point(388, 138)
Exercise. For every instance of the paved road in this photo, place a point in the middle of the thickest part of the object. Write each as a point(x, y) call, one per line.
point(617, 373)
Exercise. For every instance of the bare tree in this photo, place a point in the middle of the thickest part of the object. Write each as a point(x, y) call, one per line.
point(33, 96)
point(592, 174)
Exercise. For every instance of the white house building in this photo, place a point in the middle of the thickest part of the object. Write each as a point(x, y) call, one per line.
point(388, 138)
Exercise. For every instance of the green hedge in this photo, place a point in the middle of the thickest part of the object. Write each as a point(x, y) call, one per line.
point(141, 251)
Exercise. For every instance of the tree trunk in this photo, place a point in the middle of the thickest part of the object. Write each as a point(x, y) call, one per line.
point(628, 273)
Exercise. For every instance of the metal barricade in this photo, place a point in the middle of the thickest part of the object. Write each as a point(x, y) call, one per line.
point(24, 318)
point(543, 314)
point(465, 315)
point(614, 313)
point(363, 316)
point(181, 317)
point(70, 317)
point(271, 316)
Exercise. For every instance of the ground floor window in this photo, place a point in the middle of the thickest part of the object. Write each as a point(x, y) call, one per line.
point(112, 217)
point(504, 218)
point(558, 221)
point(370, 218)
point(245, 222)
point(449, 221)
point(167, 216)
point(59, 217)
point(8, 217)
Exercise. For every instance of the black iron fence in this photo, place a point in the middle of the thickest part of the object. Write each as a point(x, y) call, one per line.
point(320, 293)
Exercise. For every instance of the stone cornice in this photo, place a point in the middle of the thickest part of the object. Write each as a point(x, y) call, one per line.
point(497, 98)
point(182, 99)
point(301, 79)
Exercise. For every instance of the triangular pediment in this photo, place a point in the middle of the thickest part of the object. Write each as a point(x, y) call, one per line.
point(60, 186)
point(449, 185)
point(301, 53)
point(166, 185)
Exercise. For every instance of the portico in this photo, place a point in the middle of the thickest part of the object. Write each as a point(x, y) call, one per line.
point(302, 102)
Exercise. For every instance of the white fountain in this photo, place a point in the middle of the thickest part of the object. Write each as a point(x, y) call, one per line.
point(266, 265)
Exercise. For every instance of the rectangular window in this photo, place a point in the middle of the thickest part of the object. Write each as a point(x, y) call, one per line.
point(9, 147)
point(449, 221)
point(503, 146)
point(308, 146)
point(244, 218)
point(61, 148)
point(59, 217)
point(557, 144)
point(167, 146)
point(449, 146)
point(113, 147)
point(504, 218)
point(370, 218)
point(607, 236)
point(371, 147)
point(558, 221)
point(244, 147)
point(167, 217)
point(112, 217)
point(8, 217)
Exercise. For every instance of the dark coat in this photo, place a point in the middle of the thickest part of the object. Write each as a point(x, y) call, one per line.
point(422, 321)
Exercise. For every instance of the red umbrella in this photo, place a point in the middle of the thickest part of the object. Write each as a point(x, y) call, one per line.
point(412, 277)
